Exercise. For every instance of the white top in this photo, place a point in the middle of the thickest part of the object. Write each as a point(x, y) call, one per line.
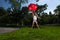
point(34, 17)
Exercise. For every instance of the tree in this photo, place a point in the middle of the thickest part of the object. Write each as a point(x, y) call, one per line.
point(57, 13)
point(57, 10)
point(17, 3)
point(50, 13)
point(24, 14)
point(41, 8)
point(2, 11)
point(50, 18)
point(9, 11)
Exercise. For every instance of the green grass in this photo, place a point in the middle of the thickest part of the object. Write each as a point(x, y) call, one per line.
point(26, 33)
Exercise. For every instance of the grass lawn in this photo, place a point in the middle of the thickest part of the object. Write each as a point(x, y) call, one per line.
point(26, 33)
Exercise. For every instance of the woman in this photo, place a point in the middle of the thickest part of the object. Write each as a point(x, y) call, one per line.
point(35, 16)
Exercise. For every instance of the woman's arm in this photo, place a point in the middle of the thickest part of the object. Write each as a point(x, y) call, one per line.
point(32, 14)
point(37, 15)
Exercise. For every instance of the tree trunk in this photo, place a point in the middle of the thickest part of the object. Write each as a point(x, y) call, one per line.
point(22, 23)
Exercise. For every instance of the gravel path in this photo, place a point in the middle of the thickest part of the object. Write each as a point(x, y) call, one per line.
point(4, 30)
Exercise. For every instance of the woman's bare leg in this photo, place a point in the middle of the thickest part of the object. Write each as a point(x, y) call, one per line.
point(37, 24)
point(32, 24)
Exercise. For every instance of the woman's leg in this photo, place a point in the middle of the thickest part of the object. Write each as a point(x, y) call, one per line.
point(37, 24)
point(32, 24)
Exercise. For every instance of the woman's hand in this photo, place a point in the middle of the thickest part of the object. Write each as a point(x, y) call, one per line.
point(39, 17)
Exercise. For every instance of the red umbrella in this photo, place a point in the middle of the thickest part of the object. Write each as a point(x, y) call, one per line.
point(32, 7)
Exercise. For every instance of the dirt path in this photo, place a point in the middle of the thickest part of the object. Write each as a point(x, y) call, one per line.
point(4, 30)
